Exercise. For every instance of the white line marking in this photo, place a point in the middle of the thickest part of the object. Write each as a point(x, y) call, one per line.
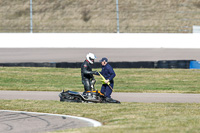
point(94, 122)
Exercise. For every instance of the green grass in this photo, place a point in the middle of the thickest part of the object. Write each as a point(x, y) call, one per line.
point(116, 118)
point(120, 118)
point(127, 80)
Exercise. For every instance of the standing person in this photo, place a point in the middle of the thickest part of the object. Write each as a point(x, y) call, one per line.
point(108, 72)
point(87, 74)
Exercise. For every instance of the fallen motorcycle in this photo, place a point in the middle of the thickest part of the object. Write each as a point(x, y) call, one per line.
point(97, 97)
point(94, 97)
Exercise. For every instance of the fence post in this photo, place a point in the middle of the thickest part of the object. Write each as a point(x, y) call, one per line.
point(117, 10)
point(31, 16)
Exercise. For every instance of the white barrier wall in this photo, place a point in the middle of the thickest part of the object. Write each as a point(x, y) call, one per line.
point(77, 40)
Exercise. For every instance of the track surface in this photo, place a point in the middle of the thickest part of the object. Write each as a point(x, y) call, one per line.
point(30, 122)
point(123, 97)
point(17, 55)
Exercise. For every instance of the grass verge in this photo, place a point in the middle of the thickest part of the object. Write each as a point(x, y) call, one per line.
point(94, 16)
point(127, 80)
point(118, 118)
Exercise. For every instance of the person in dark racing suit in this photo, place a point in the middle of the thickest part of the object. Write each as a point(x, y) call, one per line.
point(87, 74)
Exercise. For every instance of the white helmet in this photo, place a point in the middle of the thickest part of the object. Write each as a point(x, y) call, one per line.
point(91, 57)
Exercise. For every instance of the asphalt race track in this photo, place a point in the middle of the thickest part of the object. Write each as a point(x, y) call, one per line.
point(31, 122)
point(20, 55)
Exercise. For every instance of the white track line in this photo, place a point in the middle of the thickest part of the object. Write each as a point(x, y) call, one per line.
point(94, 122)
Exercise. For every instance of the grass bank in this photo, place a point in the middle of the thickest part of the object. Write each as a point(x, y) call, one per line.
point(127, 80)
point(120, 118)
point(94, 16)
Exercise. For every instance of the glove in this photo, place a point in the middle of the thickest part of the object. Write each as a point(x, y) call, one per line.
point(103, 82)
point(95, 72)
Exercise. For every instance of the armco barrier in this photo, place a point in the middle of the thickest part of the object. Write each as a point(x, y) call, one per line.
point(182, 64)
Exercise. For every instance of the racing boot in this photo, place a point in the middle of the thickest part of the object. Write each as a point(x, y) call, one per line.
point(109, 99)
